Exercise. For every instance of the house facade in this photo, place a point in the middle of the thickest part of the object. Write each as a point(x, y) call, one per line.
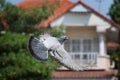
point(89, 32)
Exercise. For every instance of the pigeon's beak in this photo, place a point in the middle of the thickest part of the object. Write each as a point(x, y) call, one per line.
point(63, 39)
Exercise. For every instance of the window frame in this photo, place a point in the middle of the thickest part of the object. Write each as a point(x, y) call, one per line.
point(91, 55)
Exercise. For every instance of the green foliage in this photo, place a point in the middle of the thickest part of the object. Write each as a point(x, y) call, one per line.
point(12, 41)
point(16, 61)
point(21, 20)
point(58, 31)
point(115, 11)
point(116, 58)
point(2, 4)
point(1, 28)
point(116, 55)
point(115, 15)
point(23, 66)
point(17, 64)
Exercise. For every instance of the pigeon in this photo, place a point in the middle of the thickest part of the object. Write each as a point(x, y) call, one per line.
point(42, 45)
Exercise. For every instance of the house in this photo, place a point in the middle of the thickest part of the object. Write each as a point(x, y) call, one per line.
point(91, 37)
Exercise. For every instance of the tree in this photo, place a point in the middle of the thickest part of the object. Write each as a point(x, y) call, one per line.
point(2, 4)
point(15, 61)
point(115, 11)
point(21, 20)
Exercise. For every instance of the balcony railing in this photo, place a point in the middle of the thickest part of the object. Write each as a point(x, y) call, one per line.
point(88, 59)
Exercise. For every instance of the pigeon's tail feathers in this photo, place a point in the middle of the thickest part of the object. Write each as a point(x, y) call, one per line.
point(37, 49)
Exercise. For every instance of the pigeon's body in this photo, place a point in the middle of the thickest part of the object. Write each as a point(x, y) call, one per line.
point(39, 48)
point(51, 43)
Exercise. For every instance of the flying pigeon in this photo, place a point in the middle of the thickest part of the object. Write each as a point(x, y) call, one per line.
point(40, 46)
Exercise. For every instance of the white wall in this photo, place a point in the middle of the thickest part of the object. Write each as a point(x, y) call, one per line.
point(81, 19)
point(72, 18)
point(79, 8)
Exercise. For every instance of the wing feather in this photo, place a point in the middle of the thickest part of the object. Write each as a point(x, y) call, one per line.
point(37, 49)
point(64, 58)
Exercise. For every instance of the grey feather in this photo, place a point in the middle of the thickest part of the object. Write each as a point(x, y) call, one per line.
point(65, 59)
point(37, 49)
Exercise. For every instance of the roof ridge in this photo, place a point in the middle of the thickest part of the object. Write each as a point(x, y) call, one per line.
point(98, 13)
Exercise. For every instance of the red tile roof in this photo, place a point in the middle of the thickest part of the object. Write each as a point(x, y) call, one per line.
point(84, 74)
point(32, 3)
point(62, 9)
point(65, 6)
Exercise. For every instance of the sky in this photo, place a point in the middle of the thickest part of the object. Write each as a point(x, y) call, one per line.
point(102, 7)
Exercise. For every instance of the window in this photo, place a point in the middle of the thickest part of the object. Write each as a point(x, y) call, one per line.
point(85, 50)
point(75, 45)
point(77, 56)
point(95, 45)
point(82, 45)
point(87, 45)
point(68, 45)
point(85, 57)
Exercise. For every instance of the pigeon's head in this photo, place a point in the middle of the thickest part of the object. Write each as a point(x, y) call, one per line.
point(62, 39)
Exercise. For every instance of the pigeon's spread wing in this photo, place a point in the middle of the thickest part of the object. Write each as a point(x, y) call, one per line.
point(37, 49)
point(65, 59)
